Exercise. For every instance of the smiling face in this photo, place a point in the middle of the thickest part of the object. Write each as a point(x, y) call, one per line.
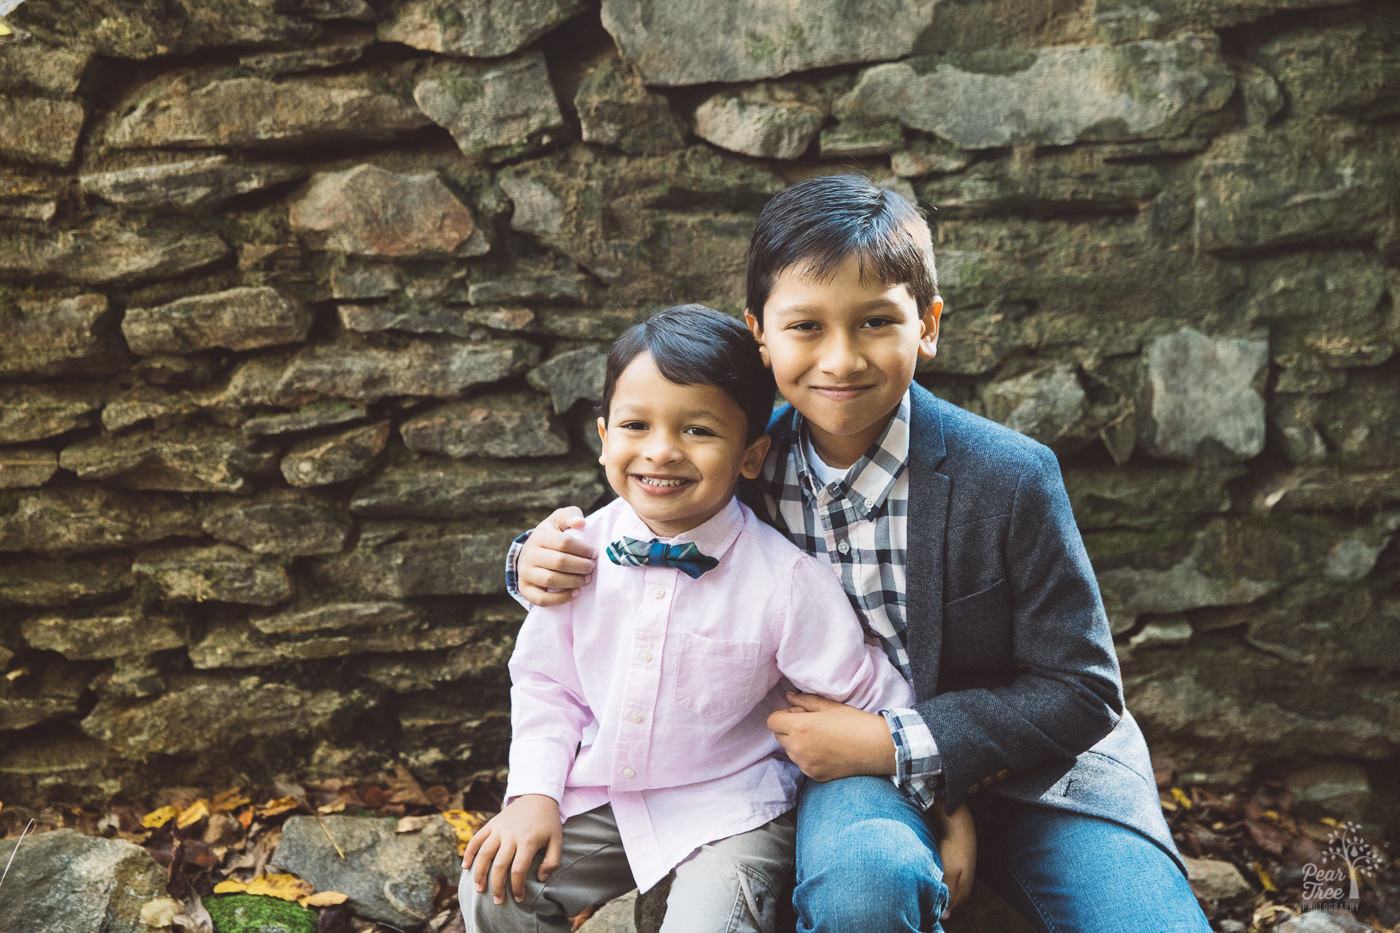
point(843, 351)
point(674, 452)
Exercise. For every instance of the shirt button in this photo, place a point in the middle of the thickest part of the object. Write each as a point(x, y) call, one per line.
point(844, 547)
point(659, 593)
point(635, 717)
point(645, 656)
point(628, 772)
point(869, 503)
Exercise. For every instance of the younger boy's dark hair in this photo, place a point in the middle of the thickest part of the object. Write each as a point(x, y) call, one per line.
point(816, 224)
point(695, 345)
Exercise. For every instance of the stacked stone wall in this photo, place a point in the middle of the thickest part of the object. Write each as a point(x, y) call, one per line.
point(303, 307)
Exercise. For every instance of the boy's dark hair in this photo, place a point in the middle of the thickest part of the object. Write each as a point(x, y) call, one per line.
point(695, 345)
point(817, 223)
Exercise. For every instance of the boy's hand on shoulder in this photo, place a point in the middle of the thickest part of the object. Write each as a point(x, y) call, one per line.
point(553, 564)
point(501, 851)
point(957, 848)
point(830, 740)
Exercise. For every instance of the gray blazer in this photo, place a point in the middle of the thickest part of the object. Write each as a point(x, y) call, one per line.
point(1013, 660)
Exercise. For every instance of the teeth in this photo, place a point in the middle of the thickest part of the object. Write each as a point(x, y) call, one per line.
point(653, 481)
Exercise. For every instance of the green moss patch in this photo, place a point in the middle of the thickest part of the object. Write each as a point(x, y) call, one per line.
point(258, 913)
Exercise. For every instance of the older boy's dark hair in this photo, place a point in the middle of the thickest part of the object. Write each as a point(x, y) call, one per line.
point(816, 224)
point(695, 345)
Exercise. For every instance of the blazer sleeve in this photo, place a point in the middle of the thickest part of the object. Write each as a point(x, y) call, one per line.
point(1065, 692)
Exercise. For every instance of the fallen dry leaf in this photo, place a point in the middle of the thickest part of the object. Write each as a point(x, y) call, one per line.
point(404, 788)
point(323, 899)
point(158, 818)
point(465, 823)
point(277, 807)
point(231, 799)
point(193, 814)
point(284, 887)
point(194, 919)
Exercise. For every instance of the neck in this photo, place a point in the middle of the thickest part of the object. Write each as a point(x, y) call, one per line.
point(840, 451)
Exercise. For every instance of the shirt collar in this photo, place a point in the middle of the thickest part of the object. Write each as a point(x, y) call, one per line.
point(713, 536)
point(870, 479)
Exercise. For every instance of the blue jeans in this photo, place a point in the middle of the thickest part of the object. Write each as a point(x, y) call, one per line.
point(866, 860)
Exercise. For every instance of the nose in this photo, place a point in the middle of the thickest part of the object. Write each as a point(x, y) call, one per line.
point(662, 447)
point(841, 356)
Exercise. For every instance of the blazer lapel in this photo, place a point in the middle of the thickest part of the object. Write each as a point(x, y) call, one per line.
point(927, 541)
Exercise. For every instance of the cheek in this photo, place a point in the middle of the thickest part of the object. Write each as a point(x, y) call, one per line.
point(785, 372)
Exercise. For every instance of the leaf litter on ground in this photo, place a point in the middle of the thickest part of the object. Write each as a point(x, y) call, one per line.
point(219, 841)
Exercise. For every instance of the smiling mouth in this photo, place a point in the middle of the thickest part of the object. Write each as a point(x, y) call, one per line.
point(660, 482)
point(840, 391)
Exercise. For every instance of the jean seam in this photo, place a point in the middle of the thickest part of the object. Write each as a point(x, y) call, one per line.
point(756, 878)
point(1033, 898)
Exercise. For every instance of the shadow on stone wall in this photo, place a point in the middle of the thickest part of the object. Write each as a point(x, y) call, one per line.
point(302, 307)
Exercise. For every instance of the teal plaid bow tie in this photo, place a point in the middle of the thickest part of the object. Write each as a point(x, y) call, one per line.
point(629, 552)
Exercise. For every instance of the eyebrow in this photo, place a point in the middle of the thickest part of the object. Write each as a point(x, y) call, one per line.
point(689, 414)
point(872, 305)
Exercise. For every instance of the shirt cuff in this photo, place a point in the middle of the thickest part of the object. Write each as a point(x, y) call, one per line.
point(539, 766)
point(512, 571)
point(918, 767)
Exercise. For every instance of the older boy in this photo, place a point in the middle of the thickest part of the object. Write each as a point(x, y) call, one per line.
point(638, 709)
point(954, 537)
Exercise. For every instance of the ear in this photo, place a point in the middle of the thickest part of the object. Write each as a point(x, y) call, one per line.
point(756, 329)
point(928, 327)
point(751, 461)
point(603, 438)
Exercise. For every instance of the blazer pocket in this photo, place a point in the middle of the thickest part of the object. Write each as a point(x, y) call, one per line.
point(716, 678)
point(977, 629)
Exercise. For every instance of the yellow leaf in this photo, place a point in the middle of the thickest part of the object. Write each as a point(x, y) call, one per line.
point(193, 814)
point(5, 30)
point(231, 799)
point(285, 887)
point(230, 887)
point(335, 806)
point(466, 823)
point(323, 899)
point(158, 818)
point(1329, 821)
point(1264, 878)
point(279, 806)
point(1180, 797)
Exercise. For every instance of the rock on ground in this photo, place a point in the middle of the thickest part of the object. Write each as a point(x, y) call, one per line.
point(389, 877)
point(65, 881)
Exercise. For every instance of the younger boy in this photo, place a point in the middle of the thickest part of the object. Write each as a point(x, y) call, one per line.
point(639, 708)
point(954, 537)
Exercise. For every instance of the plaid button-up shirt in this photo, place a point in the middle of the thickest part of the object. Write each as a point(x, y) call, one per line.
point(861, 525)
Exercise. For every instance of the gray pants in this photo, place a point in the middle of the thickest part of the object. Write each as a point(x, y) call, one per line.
point(731, 884)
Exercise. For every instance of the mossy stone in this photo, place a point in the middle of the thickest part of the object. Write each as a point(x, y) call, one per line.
point(258, 913)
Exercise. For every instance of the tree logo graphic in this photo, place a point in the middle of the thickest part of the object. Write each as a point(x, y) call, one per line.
point(1350, 856)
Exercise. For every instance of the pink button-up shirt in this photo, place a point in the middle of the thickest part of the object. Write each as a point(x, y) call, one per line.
point(662, 683)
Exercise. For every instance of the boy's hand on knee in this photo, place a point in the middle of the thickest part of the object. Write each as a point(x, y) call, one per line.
point(957, 847)
point(501, 851)
point(553, 564)
point(829, 740)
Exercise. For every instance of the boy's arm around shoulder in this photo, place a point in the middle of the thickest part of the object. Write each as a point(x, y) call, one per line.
point(1066, 693)
point(548, 710)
